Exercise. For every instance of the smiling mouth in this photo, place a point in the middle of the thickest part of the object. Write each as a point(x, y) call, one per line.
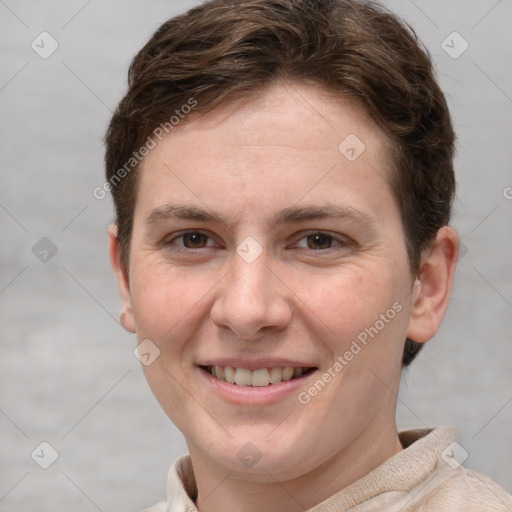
point(261, 377)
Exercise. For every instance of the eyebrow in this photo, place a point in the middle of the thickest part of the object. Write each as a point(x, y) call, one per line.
point(180, 211)
point(287, 216)
point(328, 211)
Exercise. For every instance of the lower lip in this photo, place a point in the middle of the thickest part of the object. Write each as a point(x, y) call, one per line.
point(254, 395)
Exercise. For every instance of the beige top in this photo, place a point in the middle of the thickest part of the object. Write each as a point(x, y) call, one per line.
point(425, 476)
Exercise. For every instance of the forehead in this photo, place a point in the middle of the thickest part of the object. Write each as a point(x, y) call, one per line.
point(299, 116)
point(285, 143)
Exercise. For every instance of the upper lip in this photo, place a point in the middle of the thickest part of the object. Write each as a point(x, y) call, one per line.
point(255, 364)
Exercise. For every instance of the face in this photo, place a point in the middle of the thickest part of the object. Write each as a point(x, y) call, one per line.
point(266, 237)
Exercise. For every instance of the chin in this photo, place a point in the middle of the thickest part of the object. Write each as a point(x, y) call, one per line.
point(260, 460)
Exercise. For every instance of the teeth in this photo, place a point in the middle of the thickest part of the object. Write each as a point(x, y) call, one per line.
point(276, 375)
point(287, 373)
point(242, 377)
point(261, 377)
point(229, 374)
point(219, 372)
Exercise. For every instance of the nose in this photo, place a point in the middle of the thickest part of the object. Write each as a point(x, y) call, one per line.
point(251, 301)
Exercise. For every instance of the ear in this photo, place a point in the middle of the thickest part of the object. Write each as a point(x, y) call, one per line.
point(433, 285)
point(127, 319)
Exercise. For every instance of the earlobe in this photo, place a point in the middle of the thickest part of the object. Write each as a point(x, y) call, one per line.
point(433, 286)
point(121, 273)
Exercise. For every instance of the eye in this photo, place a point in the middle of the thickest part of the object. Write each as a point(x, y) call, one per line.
point(319, 241)
point(192, 240)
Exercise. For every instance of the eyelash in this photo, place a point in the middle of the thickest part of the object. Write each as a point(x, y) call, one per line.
point(339, 241)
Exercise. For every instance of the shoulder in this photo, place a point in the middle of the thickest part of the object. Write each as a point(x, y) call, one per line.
point(465, 490)
point(443, 484)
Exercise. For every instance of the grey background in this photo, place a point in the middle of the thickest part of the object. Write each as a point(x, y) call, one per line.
point(67, 372)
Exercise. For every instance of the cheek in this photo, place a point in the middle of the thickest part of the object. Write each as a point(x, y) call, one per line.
point(167, 300)
point(361, 316)
point(349, 301)
point(169, 305)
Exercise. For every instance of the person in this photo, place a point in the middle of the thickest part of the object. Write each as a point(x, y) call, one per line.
point(282, 173)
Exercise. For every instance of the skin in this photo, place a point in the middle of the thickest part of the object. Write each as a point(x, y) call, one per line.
point(247, 161)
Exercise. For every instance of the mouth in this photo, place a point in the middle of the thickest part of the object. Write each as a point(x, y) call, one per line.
point(261, 377)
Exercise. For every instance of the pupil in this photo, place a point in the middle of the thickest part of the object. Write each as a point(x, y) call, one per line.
point(194, 240)
point(319, 241)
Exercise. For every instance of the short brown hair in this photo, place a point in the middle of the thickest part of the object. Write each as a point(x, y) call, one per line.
point(235, 47)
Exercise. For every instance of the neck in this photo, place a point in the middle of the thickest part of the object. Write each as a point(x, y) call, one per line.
point(218, 491)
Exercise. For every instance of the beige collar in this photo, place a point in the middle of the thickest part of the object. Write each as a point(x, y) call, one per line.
point(409, 468)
